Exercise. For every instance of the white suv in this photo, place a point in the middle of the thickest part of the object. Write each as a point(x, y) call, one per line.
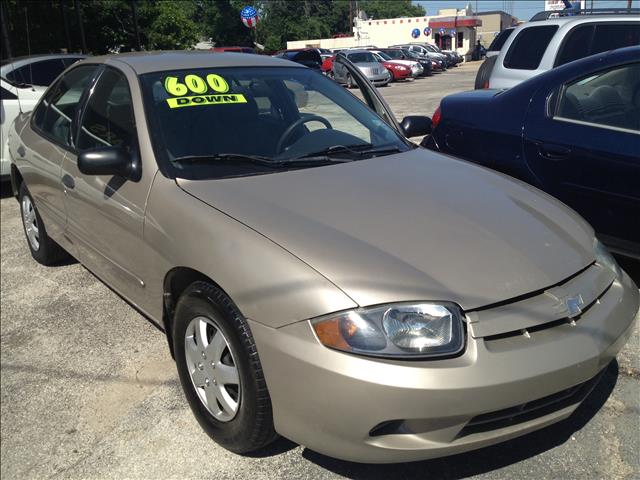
point(545, 43)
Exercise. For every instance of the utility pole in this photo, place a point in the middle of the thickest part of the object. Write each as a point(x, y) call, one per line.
point(65, 22)
point(134, 9)
point(5, 31)
point(83, 40)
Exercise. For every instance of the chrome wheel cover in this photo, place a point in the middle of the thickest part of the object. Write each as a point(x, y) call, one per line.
point(30, 223)
point(212, 368)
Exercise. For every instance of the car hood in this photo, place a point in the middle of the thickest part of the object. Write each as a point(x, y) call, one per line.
point(412, 226)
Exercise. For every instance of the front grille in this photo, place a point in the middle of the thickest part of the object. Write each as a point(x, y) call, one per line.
point(530, 410)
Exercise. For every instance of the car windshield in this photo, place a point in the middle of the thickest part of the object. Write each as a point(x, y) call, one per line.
point(221, 122)
point(362, 57)
point(384, 56)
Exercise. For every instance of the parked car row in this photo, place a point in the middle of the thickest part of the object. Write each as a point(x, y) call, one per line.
point(380, 65)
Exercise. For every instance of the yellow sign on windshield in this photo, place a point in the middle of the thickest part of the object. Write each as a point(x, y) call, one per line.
point(212, 91)
point(205, 100)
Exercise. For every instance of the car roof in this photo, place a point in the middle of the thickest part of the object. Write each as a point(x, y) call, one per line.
point(581, 19)
point(10, 64)
point(147, 62)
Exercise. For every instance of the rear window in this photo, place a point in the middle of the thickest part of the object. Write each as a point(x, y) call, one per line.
point(498, 42)
point(528, 47)
point(576, 45)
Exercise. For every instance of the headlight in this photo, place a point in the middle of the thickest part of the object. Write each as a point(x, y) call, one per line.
point(395, 330)
point(605, 259)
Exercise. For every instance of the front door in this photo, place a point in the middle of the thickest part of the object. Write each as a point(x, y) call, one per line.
point(586, 150)
point(105, 212)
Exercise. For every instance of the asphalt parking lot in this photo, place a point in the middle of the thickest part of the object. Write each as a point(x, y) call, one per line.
point(89, 389)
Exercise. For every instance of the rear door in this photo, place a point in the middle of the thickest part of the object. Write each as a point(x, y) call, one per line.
point(583, 141)
point(45, 142)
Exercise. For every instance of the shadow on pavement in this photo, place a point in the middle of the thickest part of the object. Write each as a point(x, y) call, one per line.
point(486, 459)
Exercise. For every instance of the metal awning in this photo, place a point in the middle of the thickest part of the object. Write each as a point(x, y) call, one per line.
point(454, 22)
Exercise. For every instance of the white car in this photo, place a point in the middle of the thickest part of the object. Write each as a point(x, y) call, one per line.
point(23, 81)
point(415, 67)
point(550, 40)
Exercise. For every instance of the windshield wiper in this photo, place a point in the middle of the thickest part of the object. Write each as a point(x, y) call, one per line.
point(257, 160)
point(359, 150)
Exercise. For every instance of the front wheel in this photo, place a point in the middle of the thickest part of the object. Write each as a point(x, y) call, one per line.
point(220, 371)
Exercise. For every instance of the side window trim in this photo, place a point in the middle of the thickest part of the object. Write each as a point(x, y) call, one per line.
point(54, 87)
point(87, 95)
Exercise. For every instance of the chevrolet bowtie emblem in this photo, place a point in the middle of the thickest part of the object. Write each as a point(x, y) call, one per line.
point(574, 305)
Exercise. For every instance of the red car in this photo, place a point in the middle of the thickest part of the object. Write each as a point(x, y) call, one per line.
point(234, 49)
point(399, 72)
point(327, 64)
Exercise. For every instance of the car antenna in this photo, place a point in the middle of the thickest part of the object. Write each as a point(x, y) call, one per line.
point(26, 19)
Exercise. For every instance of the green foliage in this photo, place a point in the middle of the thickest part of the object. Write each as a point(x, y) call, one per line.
point(179, 24)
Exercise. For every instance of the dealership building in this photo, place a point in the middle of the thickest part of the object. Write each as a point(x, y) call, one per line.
point(450, 29)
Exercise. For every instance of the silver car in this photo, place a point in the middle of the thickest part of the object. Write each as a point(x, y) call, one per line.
point(366, 63)
point(318, 276)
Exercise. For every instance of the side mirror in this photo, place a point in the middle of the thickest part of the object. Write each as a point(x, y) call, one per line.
point(110, 161)
point(416, 126)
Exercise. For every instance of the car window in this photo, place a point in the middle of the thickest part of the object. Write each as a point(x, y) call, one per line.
point(607, 99)
point(54, 114)
point(575, 45)
point(6, 94)
point(276, 113)
point(528, 47)
point(108, 118)
point(610, 36)
point(41, 73)
point(498, 42)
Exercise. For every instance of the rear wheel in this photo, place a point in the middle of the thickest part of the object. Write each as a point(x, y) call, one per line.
point(43, 249)
point(484, 73)
point(220, 371)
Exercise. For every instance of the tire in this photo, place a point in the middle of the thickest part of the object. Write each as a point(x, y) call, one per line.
point(250, 427)
point(43, 249)
point(484, 72)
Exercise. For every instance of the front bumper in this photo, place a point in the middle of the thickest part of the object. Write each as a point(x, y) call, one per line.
point(381, 79)
point(332, 402)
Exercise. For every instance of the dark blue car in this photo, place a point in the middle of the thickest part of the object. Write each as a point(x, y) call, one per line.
point(573, 132)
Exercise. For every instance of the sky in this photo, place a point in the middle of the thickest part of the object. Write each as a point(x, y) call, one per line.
point(523, 9)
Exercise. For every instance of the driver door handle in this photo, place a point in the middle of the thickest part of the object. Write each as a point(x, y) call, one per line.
point(553, 152)
point(68, 181)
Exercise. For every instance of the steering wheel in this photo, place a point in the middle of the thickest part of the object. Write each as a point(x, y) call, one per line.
point(301, 121)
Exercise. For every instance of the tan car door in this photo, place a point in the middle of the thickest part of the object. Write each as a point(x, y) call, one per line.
point(48, 137)
point(106, 213)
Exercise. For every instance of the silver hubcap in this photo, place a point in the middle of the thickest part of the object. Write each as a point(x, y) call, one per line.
point(212, 368)
point(30, 223)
